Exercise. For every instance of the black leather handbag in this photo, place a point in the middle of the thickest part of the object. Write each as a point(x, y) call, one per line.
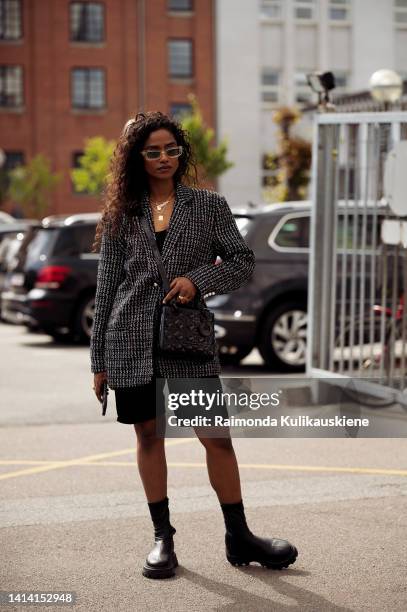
point(185, 331)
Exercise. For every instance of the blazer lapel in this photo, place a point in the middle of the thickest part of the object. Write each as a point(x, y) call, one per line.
point(178, 218)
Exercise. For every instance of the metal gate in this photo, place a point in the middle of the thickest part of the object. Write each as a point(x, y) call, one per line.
point(357, 299)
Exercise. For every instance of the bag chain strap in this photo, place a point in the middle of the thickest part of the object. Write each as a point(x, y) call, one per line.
point(166, 284)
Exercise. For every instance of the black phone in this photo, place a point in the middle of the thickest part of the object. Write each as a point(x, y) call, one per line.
point(104, 397)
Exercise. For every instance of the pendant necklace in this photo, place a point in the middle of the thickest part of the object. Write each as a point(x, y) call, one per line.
point(159, 207)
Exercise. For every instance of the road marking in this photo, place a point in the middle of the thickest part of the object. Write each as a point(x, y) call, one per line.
point(270, 466)
point(92, 461)
point(23, 462)
point(55, 465)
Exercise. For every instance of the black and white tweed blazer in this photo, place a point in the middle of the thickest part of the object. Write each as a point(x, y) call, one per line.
point(129, 292)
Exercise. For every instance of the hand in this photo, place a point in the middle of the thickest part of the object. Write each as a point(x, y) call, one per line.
point(99, 379)
point(182, 286)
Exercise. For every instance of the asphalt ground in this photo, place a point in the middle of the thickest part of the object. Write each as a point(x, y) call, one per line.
point(74, 518)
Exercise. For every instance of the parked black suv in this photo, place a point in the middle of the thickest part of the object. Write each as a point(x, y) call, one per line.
point(53, 282)
point(270, 311)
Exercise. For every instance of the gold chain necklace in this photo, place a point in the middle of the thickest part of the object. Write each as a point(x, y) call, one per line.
point(161, 205)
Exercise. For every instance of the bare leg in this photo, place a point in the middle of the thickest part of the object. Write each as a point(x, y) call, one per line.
point(222, 466)
point(151, 460)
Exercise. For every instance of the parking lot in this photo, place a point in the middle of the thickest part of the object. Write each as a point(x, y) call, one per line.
point(74, 516)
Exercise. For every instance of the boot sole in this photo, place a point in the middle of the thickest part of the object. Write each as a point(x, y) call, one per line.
point(239, 561)
point(161, 572)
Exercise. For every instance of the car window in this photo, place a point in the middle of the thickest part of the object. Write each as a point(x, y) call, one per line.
point(85, 235)
point(9, 257)
point(41, 244)
point(75, 240)
point(347, 228)
point(294, 233)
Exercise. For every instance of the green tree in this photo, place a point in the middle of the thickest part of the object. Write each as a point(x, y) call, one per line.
point(211, 159)
point(32, 185)
point(291, 163)
point(93, 169)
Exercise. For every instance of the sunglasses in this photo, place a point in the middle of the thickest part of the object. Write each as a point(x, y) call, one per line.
point(150, 154)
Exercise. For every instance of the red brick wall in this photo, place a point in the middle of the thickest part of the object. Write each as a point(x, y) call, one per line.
point(47, 123)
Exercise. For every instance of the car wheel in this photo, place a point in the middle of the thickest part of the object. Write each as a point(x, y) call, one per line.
point(283, 337)
point(84, 319)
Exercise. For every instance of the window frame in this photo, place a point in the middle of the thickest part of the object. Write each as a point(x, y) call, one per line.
point(181, 10)
point(299, 4)
point(302, 87)
point(87, 69)
point(185, 104)
point(341, 89)
point(192, 58)
point(270, 88)
point(402, 11)
point(19, 37)
point(272, 3)
point(7, 166)
point(103, 21)
point(338, 5)
point(20, 68)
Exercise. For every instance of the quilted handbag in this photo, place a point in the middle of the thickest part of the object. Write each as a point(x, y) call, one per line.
point(185, 331)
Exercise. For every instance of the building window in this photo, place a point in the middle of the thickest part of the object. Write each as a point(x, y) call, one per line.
point(400, 12)
point(270, 9)
point(87, 22)
point(270, 80)
point(341, 81)
point(88, 88)
point(11, 86)
point(303, 92)
point(339, 10)
point(12, 160)
point(10, 19)
point(180, 58)
point(178, 109)
point(304, 9)
point(180, 5)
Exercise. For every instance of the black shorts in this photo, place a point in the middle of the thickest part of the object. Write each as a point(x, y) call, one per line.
point(138, 404)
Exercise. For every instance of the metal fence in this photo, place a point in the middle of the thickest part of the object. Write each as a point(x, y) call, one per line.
point(357, 302)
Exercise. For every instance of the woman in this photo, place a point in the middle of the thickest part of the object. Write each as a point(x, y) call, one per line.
point(192, 226)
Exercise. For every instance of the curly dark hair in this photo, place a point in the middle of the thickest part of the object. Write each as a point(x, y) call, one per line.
point(127, 177)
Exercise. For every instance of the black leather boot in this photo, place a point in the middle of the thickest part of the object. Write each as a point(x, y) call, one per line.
point(242, 546)
point(162, 560)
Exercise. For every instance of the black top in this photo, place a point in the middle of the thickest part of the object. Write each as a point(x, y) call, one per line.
point(159, 237)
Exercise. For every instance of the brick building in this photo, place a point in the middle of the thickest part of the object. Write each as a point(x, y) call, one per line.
point(72, 70)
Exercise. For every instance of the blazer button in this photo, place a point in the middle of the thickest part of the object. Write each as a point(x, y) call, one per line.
point(155, 284)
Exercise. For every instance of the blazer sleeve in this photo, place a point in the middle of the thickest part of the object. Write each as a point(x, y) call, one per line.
point(109, 275)
point(238, 260)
